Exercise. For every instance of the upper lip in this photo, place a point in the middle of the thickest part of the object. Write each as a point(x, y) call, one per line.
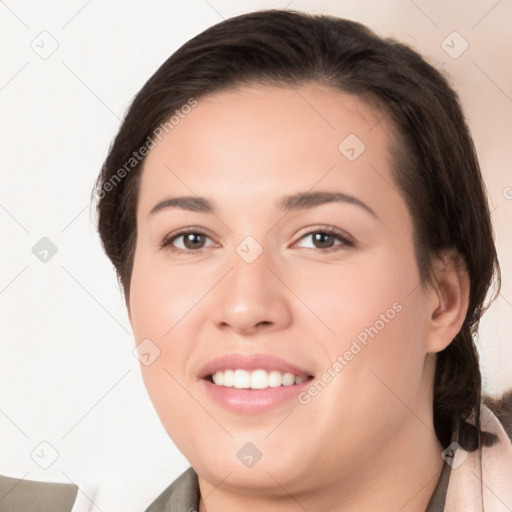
point(250, 362)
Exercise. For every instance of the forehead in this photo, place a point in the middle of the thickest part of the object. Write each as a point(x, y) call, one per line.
point(259, 139)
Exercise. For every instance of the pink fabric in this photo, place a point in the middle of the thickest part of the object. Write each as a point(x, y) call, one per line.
point(483, 481)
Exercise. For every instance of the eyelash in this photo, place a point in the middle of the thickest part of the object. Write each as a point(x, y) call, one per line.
point(336, 233)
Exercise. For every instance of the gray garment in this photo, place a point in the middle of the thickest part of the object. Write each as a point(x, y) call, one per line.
point(19, 495)
point(181, 496)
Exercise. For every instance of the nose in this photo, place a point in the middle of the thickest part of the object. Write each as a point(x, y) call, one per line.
point(252, 297)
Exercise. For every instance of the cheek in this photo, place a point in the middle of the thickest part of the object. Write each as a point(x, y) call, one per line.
point(161, 297)
point(376, 315)
point(159, 301)
point(373, 298)
point(165, 307)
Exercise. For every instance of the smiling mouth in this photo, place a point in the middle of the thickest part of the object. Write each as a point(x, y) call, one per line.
point(255, 379)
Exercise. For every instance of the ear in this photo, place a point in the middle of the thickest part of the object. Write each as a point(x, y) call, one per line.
point(449, 299)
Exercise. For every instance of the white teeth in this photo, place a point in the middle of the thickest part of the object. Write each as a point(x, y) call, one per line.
point(242, 379)
point(275, 379)
point(229, 378)
point(257, 379)
point(288, 379)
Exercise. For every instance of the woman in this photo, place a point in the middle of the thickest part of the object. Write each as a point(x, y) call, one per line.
point(297, 217)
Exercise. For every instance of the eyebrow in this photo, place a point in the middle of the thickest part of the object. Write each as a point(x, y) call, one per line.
point(300, 201)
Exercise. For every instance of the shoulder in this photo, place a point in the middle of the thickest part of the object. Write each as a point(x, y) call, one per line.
point(181, 496)
point(20, 495)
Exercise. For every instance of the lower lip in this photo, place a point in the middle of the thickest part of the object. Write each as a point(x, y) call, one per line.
point(253, 400)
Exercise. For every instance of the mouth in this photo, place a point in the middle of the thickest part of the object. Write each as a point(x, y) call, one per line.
point(253, 383)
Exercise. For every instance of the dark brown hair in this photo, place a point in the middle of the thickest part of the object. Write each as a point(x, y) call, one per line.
point(434, 161)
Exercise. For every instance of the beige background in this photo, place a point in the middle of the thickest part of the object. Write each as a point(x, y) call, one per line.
point(67, 373)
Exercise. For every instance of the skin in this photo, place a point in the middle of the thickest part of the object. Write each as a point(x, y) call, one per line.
point(366, 441)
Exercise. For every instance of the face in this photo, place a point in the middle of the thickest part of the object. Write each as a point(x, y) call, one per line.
point(290, 269)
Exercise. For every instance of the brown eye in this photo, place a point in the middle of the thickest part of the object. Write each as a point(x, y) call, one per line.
point(186, 241)
point(323, 240)
point(193, 240)
point(327, 238)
